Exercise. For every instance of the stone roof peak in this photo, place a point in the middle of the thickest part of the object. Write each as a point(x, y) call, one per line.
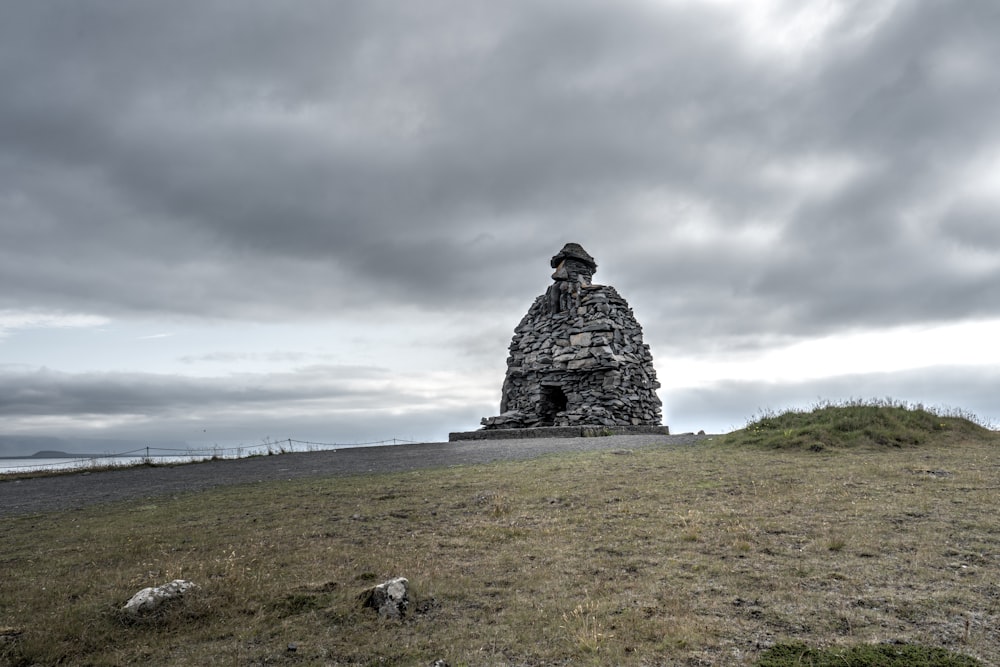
point(574, 251)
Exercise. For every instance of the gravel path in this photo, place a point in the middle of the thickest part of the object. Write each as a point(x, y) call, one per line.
point(76, 490)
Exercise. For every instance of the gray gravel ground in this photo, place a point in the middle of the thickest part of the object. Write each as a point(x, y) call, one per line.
point(77, 490)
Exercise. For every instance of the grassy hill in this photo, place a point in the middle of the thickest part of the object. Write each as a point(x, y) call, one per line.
point(884, 423)
point(804, 538)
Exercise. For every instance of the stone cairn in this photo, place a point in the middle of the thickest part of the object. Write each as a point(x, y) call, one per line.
point(577, 358)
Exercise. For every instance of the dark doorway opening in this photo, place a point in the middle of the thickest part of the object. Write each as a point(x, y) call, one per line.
point(553, 401)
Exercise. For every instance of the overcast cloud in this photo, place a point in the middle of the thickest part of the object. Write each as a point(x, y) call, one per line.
point(324, 219)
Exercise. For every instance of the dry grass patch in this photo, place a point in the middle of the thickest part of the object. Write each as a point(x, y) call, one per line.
point(701, 555)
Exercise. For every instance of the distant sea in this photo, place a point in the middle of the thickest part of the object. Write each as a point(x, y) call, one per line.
point(55, 460)
point(31, 464)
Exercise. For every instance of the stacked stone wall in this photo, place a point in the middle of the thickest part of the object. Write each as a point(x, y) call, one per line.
point(582, 365)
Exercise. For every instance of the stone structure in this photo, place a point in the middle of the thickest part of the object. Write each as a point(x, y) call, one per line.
point(577, 358)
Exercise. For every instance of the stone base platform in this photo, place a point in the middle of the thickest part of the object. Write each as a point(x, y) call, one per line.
point(587, 431)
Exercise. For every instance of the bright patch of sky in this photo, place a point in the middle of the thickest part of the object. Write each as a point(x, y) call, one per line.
point(85, 343)
point(885, 351)
point(12, 321)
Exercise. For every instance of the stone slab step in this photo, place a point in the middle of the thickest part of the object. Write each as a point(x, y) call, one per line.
point(588, 431)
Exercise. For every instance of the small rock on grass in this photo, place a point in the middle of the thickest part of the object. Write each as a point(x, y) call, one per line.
point(391, 599)
point(148, 600)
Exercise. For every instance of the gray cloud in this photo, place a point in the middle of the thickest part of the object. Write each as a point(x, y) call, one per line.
point(54, 393)
point(324, 403)
point(325, 160)
point(361, 146)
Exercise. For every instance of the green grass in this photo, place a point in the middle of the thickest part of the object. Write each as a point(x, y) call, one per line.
point(718, 554)
point(880, 655)
point(884, 423)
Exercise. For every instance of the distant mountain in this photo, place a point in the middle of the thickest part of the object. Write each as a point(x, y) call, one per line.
point(23, 445)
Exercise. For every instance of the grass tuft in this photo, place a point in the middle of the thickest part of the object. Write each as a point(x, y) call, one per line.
point(584, 627)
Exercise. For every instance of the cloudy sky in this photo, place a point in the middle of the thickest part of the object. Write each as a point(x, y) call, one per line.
point(230, 221)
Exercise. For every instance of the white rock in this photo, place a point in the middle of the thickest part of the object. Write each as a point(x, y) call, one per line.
point(150, 599)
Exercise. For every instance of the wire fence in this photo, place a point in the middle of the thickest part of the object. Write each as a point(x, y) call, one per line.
point(153, 454)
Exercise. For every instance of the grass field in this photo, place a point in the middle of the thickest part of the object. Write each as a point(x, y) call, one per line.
point(702, 555)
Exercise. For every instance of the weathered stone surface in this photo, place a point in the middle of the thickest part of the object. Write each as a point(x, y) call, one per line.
point(577, 431)
point(578, 357)
point(149, 600)
point(390, 599)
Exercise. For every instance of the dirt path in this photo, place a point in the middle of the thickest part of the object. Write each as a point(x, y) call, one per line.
point(77, 490)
